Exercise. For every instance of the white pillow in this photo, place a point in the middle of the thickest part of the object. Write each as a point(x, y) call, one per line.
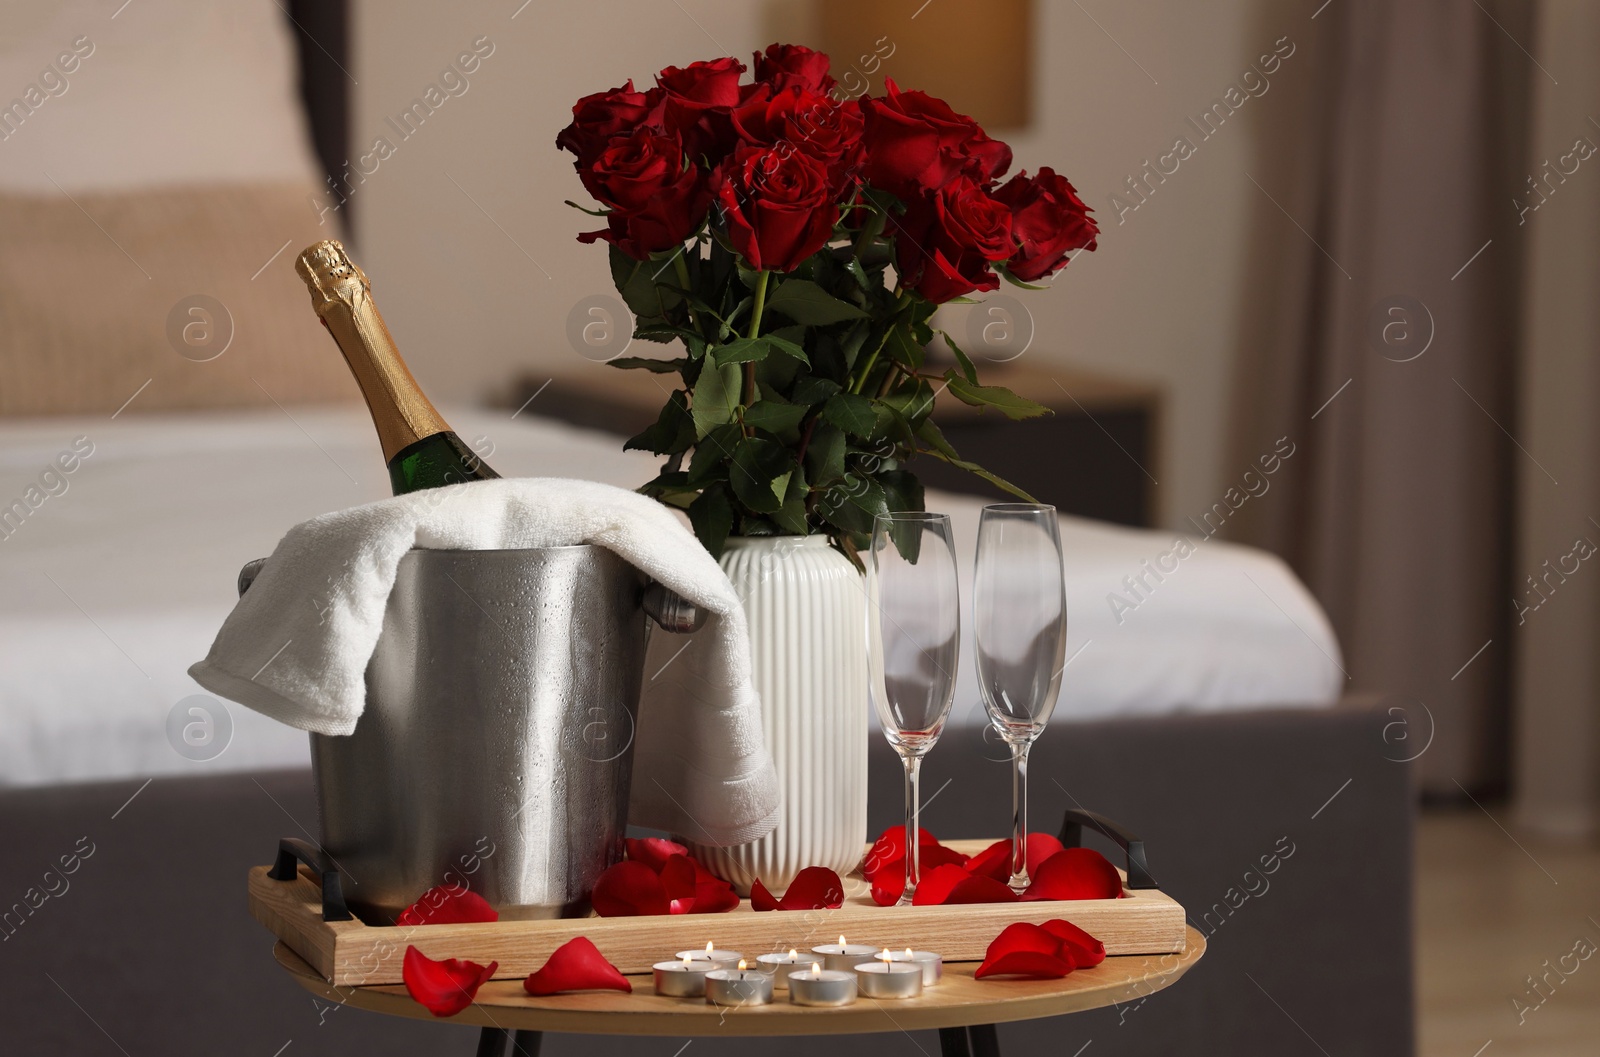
point(166, 92)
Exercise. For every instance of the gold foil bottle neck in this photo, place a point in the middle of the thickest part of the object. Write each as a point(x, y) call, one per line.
point(342, 297)
point(330, 274)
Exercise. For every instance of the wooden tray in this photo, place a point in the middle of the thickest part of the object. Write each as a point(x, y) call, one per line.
point(353, 954)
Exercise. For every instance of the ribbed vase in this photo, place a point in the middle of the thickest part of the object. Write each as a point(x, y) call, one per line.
point(807, 614)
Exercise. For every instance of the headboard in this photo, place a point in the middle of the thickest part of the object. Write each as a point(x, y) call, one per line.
point(322, 35)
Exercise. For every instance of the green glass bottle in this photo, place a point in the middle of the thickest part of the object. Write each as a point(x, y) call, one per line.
point(419, 447)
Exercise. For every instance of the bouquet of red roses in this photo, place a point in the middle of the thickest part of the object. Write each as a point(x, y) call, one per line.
point(756, 225)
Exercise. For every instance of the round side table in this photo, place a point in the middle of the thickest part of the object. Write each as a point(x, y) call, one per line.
point(963, 1010)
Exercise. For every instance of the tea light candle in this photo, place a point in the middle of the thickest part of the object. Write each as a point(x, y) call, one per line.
point(843, 956)
point(738, 987)
point(719, 959)
point(778, 966)
point(685, 978)
point(932, 963)
point(822, 987)
point(889, 979)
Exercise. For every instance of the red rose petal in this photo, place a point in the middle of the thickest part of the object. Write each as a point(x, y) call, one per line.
point(937, 884)
point(448, 905)
point(890, 848)
point(692, 889)
point(1075, 873)
point(995, 860)
point(443, 987)
point(980, 890)
point(714, 897)
point(814, 888)
point(628, 889)
point(1085, 949)
point(576, 965)
point(888, 897)
point(1025, 949)
point(653, 851)
point(1025, 963)
point(678, 879)
point(761, 899)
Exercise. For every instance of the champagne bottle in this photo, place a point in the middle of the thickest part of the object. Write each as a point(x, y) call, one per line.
point(419, 447)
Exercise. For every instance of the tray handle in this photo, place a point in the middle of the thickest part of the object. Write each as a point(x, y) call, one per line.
point(291, 852)
point(1076, 819)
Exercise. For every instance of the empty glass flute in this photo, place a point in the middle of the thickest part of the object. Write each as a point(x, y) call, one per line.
point(1020, 610)
point(913, 641)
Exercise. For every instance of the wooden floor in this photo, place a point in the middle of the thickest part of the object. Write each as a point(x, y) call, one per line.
point(1490, 913)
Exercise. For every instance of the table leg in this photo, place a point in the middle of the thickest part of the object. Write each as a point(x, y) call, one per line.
point(526, 1043)
point(953, 1042)
point(492, 1042)
point(983, 1040)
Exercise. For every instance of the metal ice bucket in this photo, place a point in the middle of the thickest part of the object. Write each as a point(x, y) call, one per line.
point(496, 747)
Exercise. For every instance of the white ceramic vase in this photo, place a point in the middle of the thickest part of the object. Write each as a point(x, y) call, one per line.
point(807, 615)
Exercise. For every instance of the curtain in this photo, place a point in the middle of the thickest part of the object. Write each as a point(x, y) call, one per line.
point(1379, 336)
point(1556, 625)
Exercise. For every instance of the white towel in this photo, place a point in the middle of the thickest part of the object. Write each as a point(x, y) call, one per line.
point(701, 766)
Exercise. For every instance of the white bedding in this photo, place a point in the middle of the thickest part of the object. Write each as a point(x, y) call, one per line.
point(111, 587)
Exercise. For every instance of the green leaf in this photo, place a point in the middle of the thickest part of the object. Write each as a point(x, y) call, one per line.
point(742, 350)
point(672, 432)
point(901, 489)
point(791, 517)
point(805, 302)
point(825, 454)
point(774, 416)
point(903, 348)
point(1009, 404)
point(787, 347)
point(1005, 273)
point(712, 455)
point(854, 339)
point(715, 395)
point(912, 403)
point(760, 474)
point(712, 518)
point(648, 363)
point(636, 282)
point(851, 412)
point(853, 503)
point(962, 358)
point(662, 333)
point(814, 390)
point(940, 449)
point(859, 274)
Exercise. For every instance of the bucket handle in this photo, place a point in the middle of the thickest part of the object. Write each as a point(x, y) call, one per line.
point(291, 852)
point(665, 606)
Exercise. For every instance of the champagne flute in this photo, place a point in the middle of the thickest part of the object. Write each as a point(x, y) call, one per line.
point(1020, 609)
point(913, 641)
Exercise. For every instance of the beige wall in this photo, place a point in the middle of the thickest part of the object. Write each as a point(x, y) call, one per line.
point(1159, 299)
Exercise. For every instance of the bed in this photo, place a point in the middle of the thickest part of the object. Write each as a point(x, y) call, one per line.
point(95, 635)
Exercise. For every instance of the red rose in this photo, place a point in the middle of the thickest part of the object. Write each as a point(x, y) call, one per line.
point(915, 142)
point(658, 199)
point(695, 108)
point(778, 206)
point(597, 118)
point(948, 239)
point(1048, 219)
point(790, 65)
point(714, 83)
point(798, 119)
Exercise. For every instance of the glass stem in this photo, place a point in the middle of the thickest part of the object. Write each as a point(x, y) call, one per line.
point(913, 828)
point(1019, 816)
